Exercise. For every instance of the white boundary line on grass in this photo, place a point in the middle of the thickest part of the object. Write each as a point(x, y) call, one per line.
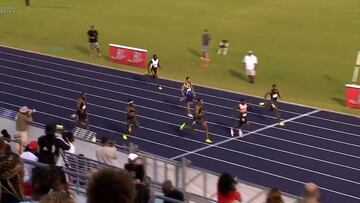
point(246, 134)
point(136, 73)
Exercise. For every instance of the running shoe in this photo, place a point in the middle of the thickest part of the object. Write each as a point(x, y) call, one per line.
point(209, 141)
point(241, 133)
point(125, 137)
point(182, 126)
point(281, 123)
point(262, 103)
point(232, 132)
point(190, 115)
point(160, 88)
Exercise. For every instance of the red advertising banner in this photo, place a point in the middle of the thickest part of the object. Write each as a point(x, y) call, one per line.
point(128, 55)
point(352, 96)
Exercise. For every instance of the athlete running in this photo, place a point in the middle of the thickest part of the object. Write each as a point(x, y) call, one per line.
point(188, 94)
point(242, 111)
point(81, 111)
point(199, 119)
point(131, 120)
point(153, 66)
point(273, 96)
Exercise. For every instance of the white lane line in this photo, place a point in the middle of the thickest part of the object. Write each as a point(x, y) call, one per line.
point(142, 89)
point(219, 160)
point(277, 176)
point(260, 134)
point(246, 154)
point(113, 100)
point(153, 99)
point(335, 121)
point(136, 73)
point(246, 134)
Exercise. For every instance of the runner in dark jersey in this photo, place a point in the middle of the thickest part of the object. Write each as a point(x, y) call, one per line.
point(131, 120)
point(81, 111)
point(199, 119)
point(242, 111)
point(273, 96)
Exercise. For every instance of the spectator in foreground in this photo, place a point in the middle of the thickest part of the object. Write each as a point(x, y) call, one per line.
point(141, 185)
point(7, 139)
point(67, 137)
point(227, 192)
point(131, 165)
point(29, 154)
point(46, 179)
point(110, 186)
point(107, 153)
point(11, 175)
point(50, 145)
point(57, 197)
point(170, 192)
point(311, 193)
point(274, 196)
point(23, 118)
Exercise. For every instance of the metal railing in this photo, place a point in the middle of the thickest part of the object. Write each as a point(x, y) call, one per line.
point(197, 184)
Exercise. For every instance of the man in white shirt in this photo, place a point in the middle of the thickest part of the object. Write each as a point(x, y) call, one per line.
point(250, 61)
point(29, 154)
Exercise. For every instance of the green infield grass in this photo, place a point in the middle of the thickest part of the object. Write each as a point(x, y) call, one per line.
point(307, 47)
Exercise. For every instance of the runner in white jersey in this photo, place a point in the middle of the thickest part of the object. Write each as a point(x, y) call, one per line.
point(242, 111)
point(188, 94)
point(153, 66)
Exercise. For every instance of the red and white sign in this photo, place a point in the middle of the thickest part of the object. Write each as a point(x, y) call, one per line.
point(128, 55)
point(352, 96)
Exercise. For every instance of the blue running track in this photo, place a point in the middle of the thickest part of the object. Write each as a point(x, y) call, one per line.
point(315, 145)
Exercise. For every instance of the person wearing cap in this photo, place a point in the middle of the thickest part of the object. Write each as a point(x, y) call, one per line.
point(30, 153)
point(311, 193)
point(250, 62)
point(23, 118)
point(93, 41)
point(131, 120)
point(131, 165)
point(81, 111)
point(242, 111)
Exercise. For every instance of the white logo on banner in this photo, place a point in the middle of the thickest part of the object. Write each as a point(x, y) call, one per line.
point(136, 58)
point(355, 101)
point(120, 54)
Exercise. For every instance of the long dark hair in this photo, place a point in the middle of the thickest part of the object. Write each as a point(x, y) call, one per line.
point(226, 183)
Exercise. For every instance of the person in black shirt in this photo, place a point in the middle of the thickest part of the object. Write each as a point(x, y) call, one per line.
point(93, 41)
point(131, 120)
point(50, 145)
point(170, 192)
point(273, 94)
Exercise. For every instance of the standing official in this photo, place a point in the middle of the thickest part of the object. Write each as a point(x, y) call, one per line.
point(93, 41)
point(250, 62)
